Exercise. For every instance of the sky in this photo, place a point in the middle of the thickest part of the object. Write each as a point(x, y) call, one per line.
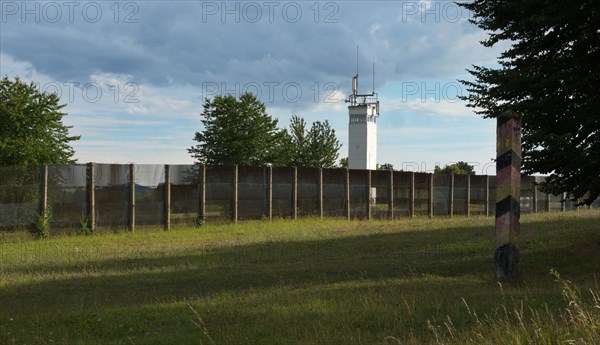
point(134, 74)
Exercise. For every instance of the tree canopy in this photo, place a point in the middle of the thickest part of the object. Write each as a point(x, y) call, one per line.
point(460, 168)
point(241, 132)
point(317, 147)
point(550, 76)
point(237, 131)
point(31, 128)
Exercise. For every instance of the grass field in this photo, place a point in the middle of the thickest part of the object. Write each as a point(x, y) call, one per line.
point(305, 282)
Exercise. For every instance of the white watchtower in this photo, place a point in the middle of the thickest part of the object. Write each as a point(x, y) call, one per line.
point(362, 128)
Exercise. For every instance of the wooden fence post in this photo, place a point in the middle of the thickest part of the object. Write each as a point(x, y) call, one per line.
point(430, 196)
point(234, 211)
point(508, 192)
point(348, 194)
point(167, 197)
point(91, 196)
point(131, 197)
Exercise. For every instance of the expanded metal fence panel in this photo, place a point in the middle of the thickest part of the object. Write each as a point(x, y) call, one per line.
point(308, 192)
point(252, 192)
point(283, 180)
point(67, 195)
point(421, 194)
point(19, 196)
point(460, 195)
point(441, 194)
point(219, 188)
point(149, 194)
point(184, 194)
point(359, 193)
point(478, 196)
point(334, 192)
point(526, 194)
point(492, 201)
point(112, 195)
point(380, 183)
point(402, 184)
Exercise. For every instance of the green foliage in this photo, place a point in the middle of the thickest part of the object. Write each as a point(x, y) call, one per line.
point(200, 221)
point(317, 147)
point(84, 227)
point(385, 166)
point(237, 132)
point(550, 77)
point(343, 162)
point(41, 229)
point(31, 128)
point(460, 168)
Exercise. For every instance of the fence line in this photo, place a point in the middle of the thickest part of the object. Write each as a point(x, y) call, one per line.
point(126, 196)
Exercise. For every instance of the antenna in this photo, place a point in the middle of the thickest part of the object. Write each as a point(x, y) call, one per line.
point(357, 60)
point(373, 78)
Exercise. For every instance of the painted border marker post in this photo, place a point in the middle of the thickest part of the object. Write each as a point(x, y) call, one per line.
point(508, 192)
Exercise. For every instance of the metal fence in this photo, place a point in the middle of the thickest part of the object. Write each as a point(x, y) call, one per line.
point(126, 196)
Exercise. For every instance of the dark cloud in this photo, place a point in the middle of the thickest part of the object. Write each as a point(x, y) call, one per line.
point(186, 43)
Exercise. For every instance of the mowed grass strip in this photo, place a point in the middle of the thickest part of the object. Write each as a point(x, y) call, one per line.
point(309, 281)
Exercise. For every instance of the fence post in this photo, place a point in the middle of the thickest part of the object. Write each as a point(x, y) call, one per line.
point(167, 197)
point(202, 192)
point(535, 195)
point(391, 201)
point(563, 202)
point(43, 189)
point(234, 211)
point(91, 196)
point(411, 205)
point(451, 196)
point(547, 202)
point(320, 193)
point(468, 198)
point(508, 192)
point(295, 195)
point(270, 192)
point(132, 197)
point(430, 196)
point(348, 193)
point(487, 195)
point(368, 210)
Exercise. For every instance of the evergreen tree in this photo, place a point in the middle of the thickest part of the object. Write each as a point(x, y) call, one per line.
point(550, 76)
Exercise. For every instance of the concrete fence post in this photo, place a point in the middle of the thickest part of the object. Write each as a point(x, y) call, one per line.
point(320, 189)
point(202, 192)
point(91, 196)
point(487, 196)
point(391, 196)
point(430, 196)
point(167, 197)
point(451, 196)
point(234, 211)
point(132, 197)
point(270, 192)
point(468, 197)
point(369, 196)
point(411, 203)
point(348, 194)
point(43, 207)
point(295, 194)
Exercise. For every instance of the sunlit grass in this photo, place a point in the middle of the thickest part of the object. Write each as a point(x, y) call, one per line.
point(307, 281)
